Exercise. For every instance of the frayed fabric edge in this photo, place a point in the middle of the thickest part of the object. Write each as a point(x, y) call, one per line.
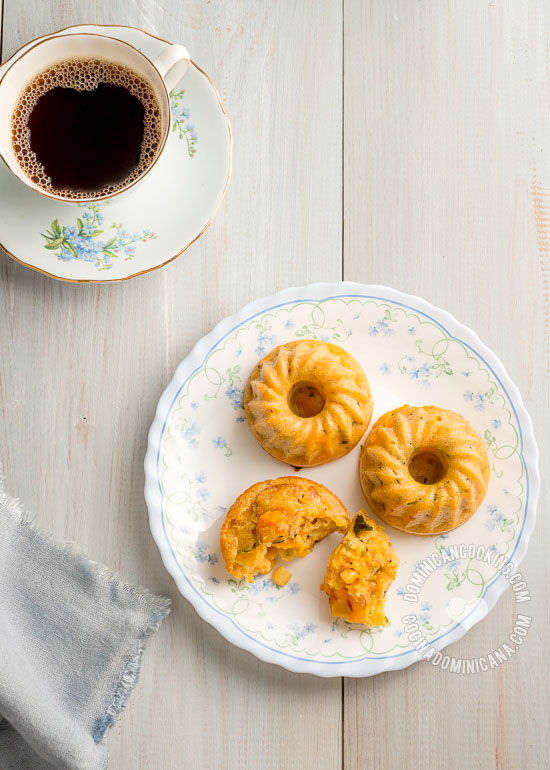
point(160, 608)
point(132, 668)
point(11, 504)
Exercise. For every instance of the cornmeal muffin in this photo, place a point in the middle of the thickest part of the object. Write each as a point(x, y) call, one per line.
point(284, 517)
point(359, 573)
point(308, 402)
point(424, 470)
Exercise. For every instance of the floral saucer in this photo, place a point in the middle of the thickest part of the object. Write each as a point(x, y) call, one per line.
point(151, 224)
point(201, 455)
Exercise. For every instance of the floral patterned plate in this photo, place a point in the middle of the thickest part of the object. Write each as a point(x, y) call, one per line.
point(201, 455)
point(150, 225)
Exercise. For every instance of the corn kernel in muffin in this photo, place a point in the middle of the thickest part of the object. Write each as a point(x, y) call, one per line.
point(359, 572)
point(285, 517)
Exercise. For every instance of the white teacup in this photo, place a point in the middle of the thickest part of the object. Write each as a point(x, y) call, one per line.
point(162, 75)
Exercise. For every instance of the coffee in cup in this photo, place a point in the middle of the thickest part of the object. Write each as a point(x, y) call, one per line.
point(85, 116)
point(86, 126)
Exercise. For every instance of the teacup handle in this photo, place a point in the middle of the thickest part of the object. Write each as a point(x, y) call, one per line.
point(172, 64)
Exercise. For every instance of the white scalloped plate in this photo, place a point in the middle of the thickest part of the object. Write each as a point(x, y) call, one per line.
point(151, 224)
point(201, 455)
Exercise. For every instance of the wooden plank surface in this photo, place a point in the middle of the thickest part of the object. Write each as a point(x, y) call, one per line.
point(447, 195)
point(83, 368)
point(444, 113)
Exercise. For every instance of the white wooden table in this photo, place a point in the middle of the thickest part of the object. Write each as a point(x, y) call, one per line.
point(402, 142)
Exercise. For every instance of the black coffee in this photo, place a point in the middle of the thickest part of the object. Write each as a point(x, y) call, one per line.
point(86, 126)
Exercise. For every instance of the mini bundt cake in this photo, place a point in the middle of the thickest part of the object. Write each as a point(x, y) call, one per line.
point(424, 470)
point(308, 402)
point(359, 572)
point(284, 517)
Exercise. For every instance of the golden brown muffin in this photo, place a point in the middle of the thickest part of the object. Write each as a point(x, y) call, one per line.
point(308, 402)
point(424, 470)
point(359, 572)
point(284, 517)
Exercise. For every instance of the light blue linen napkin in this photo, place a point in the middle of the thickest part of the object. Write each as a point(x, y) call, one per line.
point(71, 641)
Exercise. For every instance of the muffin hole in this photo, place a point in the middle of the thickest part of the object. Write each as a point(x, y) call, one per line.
point(305, 399)
point(428, 465)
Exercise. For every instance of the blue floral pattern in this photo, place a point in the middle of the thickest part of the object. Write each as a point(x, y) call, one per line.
point(82, 241)
point(265, 586)
point(181, 124)
point(497, 520)
point(221, 443)
point(417, 372)
point(203, 554)
point(298, 631)
point(189, 433)
point(236, 398)
point(381, 327)
point(479, 399)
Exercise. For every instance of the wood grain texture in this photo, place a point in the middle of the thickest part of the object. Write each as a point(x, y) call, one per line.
point(444, 114)
point(83, 368)
point(446, 195)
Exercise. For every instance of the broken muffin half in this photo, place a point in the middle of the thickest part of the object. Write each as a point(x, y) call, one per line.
point(359, 572)
point(285, 516)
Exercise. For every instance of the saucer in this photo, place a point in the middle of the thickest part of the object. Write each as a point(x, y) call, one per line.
point(150, 225)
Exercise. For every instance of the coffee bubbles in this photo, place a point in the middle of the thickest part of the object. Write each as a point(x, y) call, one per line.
point(86, 126)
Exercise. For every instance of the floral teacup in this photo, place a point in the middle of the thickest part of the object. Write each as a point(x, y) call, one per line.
point(162, 75)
